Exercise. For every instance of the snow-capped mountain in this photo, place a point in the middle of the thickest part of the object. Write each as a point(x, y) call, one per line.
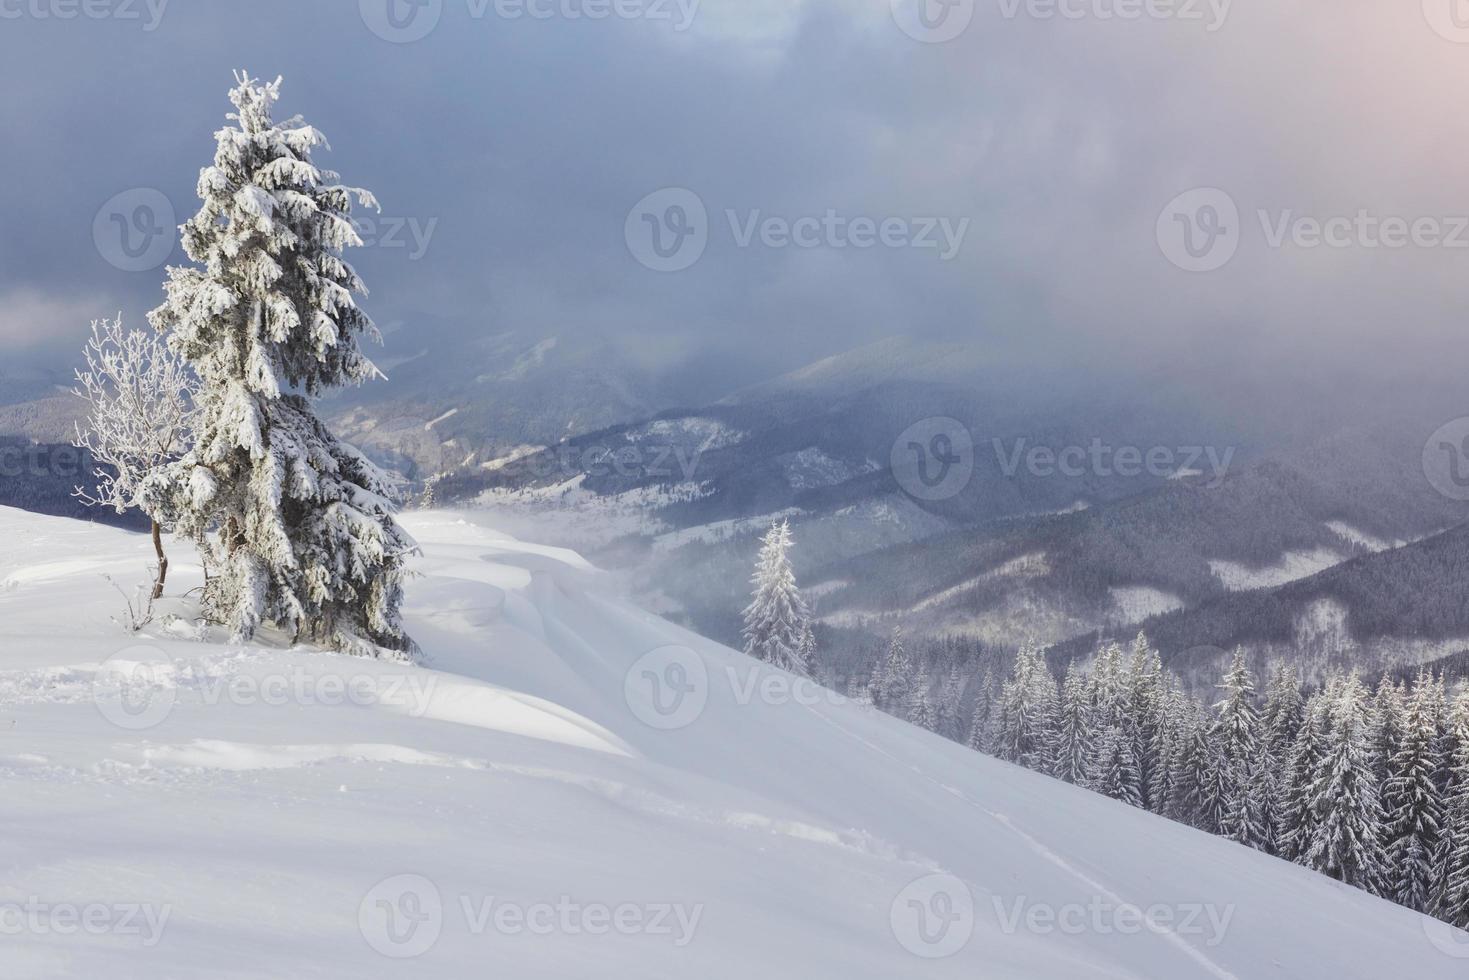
point(1238, 499)
point(569, 785)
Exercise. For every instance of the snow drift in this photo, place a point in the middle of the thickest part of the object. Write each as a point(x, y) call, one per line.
point(569, 787)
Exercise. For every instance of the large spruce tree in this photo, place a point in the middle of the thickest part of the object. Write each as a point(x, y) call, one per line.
point(296, 528)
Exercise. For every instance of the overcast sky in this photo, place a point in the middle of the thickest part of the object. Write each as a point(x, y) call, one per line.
point(1010, 185)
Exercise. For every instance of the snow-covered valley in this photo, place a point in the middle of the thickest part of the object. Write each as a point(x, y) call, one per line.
point(567, 786)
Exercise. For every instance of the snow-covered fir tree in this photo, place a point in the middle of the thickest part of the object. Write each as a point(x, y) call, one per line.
point(893, 676)
point(980, 736)
point(1283, 714)
point(951, 705)
point(296, 528)
point(1144, 712)
point(1114, 772)
point(1074, 744)
point(1345, 797)
point(1237, 724)
point(1230, 795)
point(1452, 861)
point(1194, 790)
point(1412, 802)
point(806, 647)
point(1027, 711)
point(777, 617)
point(920, 708)
point(1389, 709)
point(1180, 718)
point(1298, 817)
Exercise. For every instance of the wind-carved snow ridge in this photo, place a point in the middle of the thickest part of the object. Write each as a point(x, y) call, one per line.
point(276, 815)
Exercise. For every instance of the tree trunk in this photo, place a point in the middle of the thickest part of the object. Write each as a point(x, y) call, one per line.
point(162, 561)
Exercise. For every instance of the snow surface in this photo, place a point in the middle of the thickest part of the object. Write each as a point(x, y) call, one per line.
point(1291, 566)
point(533, 804)
point(1135, 603)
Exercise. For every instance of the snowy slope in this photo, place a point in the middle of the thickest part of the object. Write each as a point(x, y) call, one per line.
point(521, 808)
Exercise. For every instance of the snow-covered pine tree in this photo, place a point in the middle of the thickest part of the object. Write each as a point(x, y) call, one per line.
point(141, 401)
point(1237, 726)
point(1389, 708)
point(776, 618)
point(1196, 780)
point(1298, 818)
point(979, 738)
point(1027, 712)
point(806, 649)
point(1283, 714)
point(296, 527)
point(951, 705)
point(1236, 738)
point(1452, 903)
point(893, 676)
point(1074, 749)
point(1145, 687)
point(1243, 821)
point(1412, 802)
point(1108, 686)
point(1347, 843)
point(1113, 771)
point(920, 707)
point(1180, 714)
